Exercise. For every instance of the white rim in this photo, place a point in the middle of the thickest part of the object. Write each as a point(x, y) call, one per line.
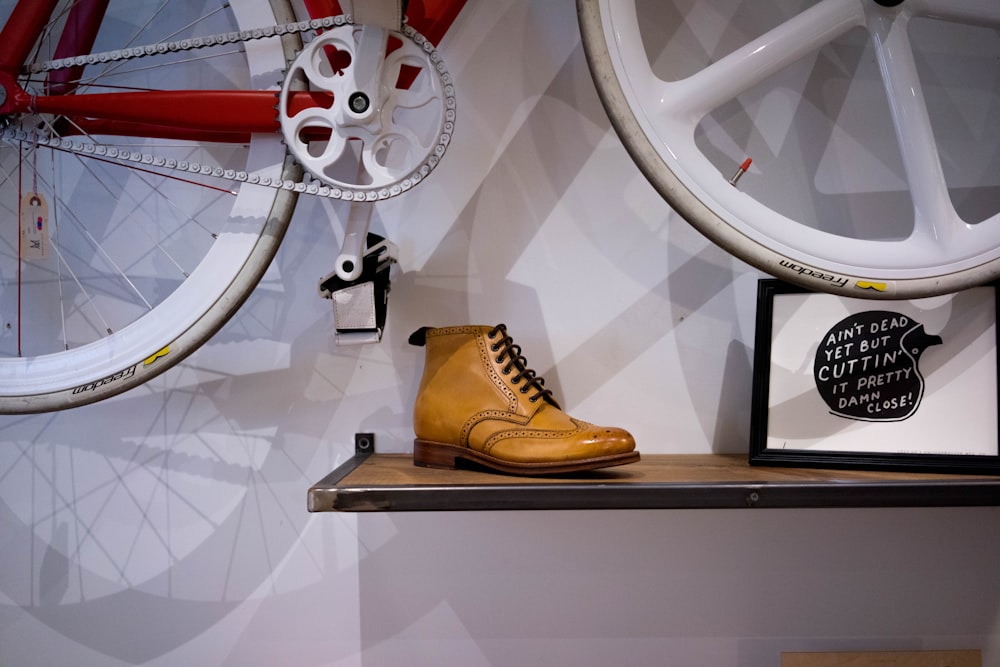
point(198, 307)
point(657, 121)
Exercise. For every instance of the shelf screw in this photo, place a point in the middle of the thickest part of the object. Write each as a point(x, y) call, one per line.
point(364, 443)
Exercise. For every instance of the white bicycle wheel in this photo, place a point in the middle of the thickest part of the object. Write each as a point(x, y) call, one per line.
point(143, 263)
point(875, 165)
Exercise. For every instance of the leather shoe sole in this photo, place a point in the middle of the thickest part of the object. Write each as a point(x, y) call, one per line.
point(429, 454)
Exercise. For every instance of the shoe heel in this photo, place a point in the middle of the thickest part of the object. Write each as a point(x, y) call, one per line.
point(432, 455)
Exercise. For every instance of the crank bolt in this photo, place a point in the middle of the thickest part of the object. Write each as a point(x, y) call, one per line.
point(358, 102)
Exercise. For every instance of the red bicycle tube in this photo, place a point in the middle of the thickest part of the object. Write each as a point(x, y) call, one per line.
point(21, 31)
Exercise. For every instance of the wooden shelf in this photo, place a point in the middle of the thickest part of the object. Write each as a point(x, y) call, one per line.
point(390, 482)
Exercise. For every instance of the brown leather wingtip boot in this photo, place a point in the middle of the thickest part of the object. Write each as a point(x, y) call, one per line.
point(478, 401)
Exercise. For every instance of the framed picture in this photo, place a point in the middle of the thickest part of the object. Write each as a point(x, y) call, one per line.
point(892, 385)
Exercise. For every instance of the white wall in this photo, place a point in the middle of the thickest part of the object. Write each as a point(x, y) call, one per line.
point(168, 526)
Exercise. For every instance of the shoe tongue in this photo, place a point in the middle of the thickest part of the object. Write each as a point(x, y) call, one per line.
point(419, 337)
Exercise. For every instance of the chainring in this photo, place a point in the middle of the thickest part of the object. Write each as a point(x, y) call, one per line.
point(367, 142)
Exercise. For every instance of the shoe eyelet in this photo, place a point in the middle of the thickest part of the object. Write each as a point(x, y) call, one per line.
point(515, 380)
point(495, 346)
point(533, 399)
point(506, 371)
point(524, 389)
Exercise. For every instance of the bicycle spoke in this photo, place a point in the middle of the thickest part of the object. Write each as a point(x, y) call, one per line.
point(102, 251)
point(64, 336)
point(168, 176)
point(100, 79)
point(79, 33)
point(178, 31)
point(88, 298)
point(935, 217)
point(122, 274)
point(746, 67)
point(119, 68)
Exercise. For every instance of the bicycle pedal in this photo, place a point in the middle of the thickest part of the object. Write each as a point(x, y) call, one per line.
point(360, 306)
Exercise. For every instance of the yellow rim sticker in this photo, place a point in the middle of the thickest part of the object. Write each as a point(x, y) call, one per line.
point(162, 353)
point(867, 284)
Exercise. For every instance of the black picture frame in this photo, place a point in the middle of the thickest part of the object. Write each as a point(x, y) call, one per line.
point(819, 401)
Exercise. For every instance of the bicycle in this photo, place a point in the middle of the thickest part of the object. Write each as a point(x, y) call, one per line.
point(769, 128)
point(152, 158)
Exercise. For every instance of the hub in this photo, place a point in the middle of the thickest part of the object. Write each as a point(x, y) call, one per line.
point(13, 99)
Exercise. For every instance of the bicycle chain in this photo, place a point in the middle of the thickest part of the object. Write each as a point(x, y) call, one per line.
point(193, 43)
point(87, 148)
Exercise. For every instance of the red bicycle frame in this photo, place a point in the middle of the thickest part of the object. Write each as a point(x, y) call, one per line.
point(175, 114)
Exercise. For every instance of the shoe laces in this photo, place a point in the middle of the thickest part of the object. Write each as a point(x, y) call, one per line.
point(511, 353)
